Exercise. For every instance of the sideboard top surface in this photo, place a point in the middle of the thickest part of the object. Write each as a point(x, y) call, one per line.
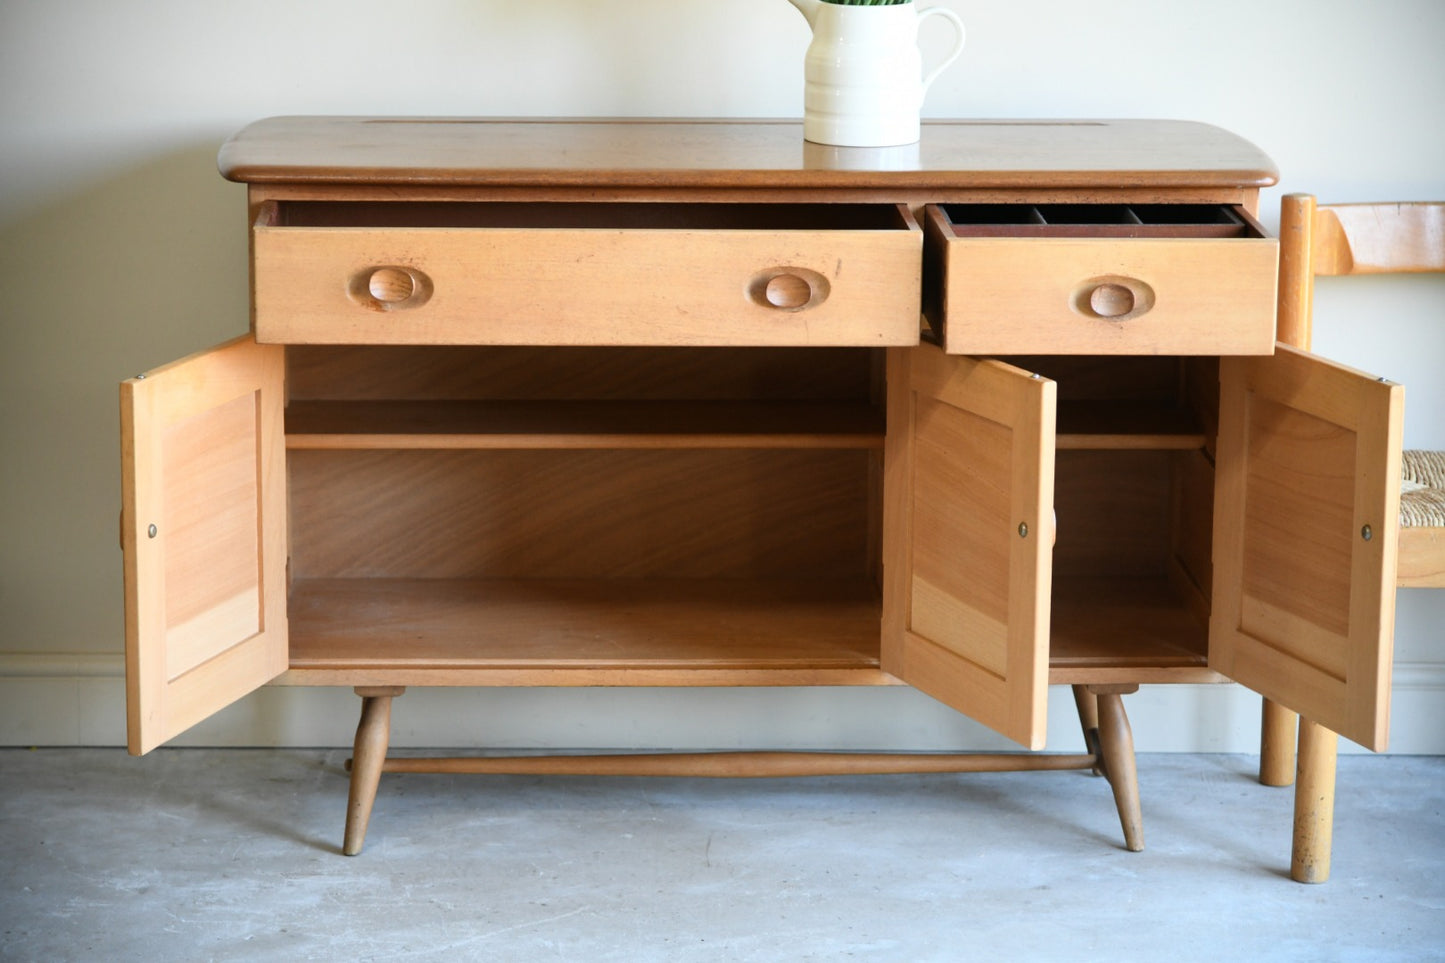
point(964, 154)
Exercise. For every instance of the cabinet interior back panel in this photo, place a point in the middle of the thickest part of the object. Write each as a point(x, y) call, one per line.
point(580, 514)
point(367, 373)
point(1113, 513)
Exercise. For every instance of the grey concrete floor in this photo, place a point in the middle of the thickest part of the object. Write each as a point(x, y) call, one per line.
point(233, 855)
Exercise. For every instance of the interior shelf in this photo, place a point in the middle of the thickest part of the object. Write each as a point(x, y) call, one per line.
point(1107, 626)
point(690, 632)
point(683, 424)
point(1126, 425)
point(583, 424)
point(588, 631)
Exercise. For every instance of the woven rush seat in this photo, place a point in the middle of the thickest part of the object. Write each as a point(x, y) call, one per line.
point(1422, 489)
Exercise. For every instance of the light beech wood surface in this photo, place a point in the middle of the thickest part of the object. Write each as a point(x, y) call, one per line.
point(1071, 292)
point(536, 433)
point(968, 529)
point(634, 275)
point(1312, 449)
point(1076, 154)
point(204, 534)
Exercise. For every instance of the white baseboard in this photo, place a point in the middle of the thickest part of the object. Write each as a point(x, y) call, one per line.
point(73, 699)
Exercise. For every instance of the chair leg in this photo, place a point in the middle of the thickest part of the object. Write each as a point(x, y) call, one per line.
point(373, 735)
point(1116, 747)
point(1276, 745)
point(1314, 804)
point(1087, 704)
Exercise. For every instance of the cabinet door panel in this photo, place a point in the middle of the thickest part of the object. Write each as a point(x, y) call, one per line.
point(204, 533)
point(968, 535)
point(1305, 536)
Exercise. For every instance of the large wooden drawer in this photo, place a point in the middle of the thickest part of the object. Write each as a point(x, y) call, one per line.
point(1099, 279)
point(583, 273)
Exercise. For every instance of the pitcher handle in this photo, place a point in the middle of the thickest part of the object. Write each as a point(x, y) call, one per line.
point(957, 22)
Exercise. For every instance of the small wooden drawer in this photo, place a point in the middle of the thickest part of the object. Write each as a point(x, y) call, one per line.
point(585, 273)
point(1099, 279)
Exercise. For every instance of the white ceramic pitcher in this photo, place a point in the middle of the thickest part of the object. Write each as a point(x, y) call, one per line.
point(863, 76)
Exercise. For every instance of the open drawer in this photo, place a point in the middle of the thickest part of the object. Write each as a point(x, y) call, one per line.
point(1177, 279)
point(586, 273)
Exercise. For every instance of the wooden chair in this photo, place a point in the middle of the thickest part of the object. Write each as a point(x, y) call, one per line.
point(1350, 239)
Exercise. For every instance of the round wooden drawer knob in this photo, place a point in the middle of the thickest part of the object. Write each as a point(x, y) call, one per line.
point(391, 285)
point(788, 291)
point(1111, 300)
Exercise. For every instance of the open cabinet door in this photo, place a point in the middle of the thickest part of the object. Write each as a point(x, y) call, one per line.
point(1307, 498)
point(968, 536)
point(204, 533)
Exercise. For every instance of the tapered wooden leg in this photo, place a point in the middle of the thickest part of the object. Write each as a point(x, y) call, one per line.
point(1087, 704)
point(373, 734)
point(1116, 748)
point(1314, 804)
point(1276, 745)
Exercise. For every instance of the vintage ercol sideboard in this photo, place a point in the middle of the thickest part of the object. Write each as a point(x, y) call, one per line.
point(645, 403)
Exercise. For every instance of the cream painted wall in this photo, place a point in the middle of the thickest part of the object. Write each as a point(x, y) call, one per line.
point(120, 248)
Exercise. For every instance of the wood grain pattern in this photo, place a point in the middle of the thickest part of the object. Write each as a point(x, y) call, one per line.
point(742, 765)
point(962, 495)
point(1296, 270)
point(1191, 538)
point(1347, 239)
point(1301, 480)
point(1114, 513)
point(729, 153)
point(1128, 425)
point(1350, 239)
point(1394, 238)
point(1421, 558)
point(584, 632)
point(1121, 623)
point(204, 463)
point(1277, 729)
point(579, 514)
point(582, 424)
point(211, 517)
point(589, 284)
point(967, 530)
point(1116, 756)
point(1196, 296)
point(562, 373)
point(1303, 608)
point(703, 515)
point(373, 734)
point(1314, 804)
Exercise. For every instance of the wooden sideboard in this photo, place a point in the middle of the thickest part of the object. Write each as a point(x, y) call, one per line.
point(701, 404)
